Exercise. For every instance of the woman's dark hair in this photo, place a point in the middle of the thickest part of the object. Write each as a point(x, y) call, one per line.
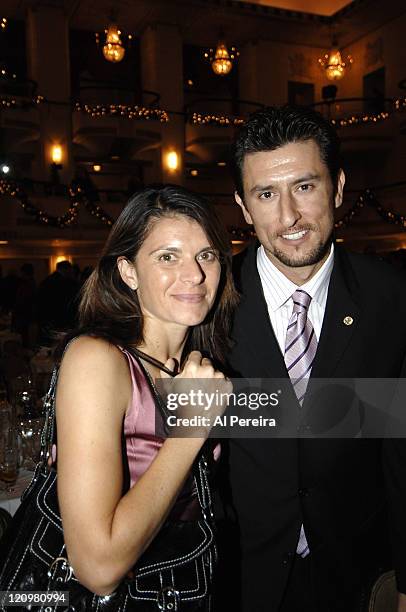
point(111, 310)
point(273, 127)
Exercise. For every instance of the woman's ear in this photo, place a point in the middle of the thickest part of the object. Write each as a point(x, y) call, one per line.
point(127, 272)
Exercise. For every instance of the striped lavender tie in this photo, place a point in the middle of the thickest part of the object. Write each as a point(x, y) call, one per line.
point(301, 344)
point(300, 350)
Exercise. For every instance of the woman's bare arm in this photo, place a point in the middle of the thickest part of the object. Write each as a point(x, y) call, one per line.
point(104, 533)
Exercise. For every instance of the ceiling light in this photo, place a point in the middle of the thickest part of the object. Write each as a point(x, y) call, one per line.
point(113, 49)
point(222, 59)
point(333, 63)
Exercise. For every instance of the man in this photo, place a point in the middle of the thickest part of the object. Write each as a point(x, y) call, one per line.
point(57, 302)
point(311, 512)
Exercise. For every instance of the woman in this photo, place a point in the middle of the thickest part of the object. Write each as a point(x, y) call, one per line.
point(163, 287)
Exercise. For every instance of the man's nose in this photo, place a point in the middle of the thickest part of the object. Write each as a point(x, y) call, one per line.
point(288, 210)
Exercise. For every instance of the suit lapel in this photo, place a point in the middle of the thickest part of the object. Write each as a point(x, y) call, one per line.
point(253, 324)
point(254, 327)
point(341, 317)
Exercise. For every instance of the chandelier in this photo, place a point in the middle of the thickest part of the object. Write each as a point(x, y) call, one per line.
point(113, 49)
point(222, 59)
point(333, 63)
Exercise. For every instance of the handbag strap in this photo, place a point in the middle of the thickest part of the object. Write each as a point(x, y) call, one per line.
point(200, 467)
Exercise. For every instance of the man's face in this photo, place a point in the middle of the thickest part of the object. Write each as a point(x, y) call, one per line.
point(289, 198)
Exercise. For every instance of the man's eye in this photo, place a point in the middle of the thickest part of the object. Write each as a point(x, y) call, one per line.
point(265, 195)
point(305, 187)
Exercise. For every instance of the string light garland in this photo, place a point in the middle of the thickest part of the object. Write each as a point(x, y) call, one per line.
point(13, 103)
point(5, 75)
point(210, 119)
point(91, 205)
point(123, 110)
point(367, 197)
point(77, 195)
point(14, 190)
point(348, 217)
point(387, 215)
point(132, 112)
point(361, 119)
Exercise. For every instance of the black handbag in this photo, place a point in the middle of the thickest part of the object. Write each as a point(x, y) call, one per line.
point(174, 573)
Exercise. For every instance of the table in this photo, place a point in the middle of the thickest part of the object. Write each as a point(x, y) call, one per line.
point(10, 501)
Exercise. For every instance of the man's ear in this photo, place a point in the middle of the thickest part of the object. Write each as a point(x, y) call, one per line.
point(245, 212)
point(127, 272)
point(338, 199)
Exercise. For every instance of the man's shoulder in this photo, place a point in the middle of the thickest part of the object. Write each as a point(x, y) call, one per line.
point(244, 264)
point(372, 269)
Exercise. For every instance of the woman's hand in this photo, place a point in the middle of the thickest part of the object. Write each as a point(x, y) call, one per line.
point(195, 397)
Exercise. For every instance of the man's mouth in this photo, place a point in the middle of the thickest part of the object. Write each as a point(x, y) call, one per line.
point(295, 235)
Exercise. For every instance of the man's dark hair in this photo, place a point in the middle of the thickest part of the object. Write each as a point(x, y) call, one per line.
point(273, 127)
point(64, 266)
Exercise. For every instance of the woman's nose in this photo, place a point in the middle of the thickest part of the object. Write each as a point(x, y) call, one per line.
point(191, 272)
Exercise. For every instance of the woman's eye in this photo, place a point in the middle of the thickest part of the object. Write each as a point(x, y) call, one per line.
point(207, 256)
point(166, 257)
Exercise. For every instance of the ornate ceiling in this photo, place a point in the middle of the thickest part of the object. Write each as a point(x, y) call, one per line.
point(318, 7)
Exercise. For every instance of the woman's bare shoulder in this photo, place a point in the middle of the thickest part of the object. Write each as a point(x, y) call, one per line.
point(86, 350)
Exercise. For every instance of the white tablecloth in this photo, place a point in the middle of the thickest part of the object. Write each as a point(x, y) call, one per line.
point(11, 501)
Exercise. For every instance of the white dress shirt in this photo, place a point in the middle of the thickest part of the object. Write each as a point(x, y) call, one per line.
point(278, 290)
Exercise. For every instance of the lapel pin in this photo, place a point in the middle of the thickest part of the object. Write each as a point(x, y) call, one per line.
point(348, 320)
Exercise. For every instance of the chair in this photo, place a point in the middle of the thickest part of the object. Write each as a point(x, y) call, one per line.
point(384, 594)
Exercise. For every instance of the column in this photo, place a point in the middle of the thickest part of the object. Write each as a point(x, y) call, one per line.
point(162, 71)
point(48, 65)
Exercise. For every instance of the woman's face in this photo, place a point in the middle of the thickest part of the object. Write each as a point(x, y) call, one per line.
point(176, 272)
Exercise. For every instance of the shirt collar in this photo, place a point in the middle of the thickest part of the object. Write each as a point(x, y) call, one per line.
point(278, 289)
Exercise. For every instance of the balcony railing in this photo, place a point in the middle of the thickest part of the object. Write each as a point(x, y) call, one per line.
point(339, 108)
point(106, 92)
point(25, 88)
point(235, 107)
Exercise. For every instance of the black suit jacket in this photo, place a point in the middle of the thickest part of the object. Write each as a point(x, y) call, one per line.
point(335, 487)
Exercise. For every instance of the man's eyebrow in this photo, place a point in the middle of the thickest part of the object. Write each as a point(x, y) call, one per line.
point(307, 177)
point(302, 179)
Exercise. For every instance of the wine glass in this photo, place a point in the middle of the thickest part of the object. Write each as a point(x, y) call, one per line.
point(29, 431)
point(9, 459)
point(24, 397)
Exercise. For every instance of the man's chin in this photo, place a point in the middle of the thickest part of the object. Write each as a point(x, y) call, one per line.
point(301, 260)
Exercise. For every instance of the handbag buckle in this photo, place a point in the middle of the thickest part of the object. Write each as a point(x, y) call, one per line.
point(64, 566)
point(168, 599)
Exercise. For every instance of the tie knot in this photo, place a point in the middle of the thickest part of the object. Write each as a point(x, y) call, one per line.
point(301, 301)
